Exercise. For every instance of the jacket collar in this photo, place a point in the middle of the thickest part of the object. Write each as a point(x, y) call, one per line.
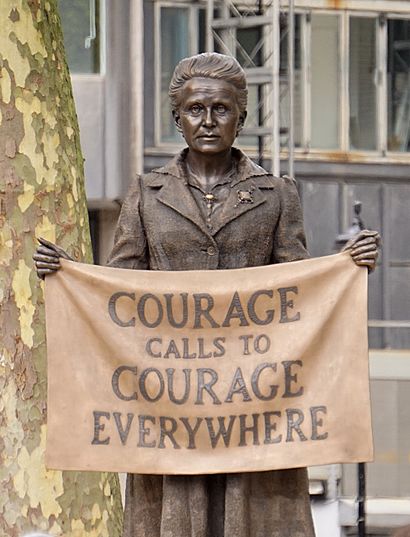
point(245, 168)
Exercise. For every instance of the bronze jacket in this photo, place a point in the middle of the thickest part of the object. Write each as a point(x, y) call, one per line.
point(161, 226)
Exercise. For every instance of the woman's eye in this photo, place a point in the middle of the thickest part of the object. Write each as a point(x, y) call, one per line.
point(221, 109)
point(195, 109)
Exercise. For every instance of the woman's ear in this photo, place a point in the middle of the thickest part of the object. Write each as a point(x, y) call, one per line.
point(241, 122)
point(177, 120)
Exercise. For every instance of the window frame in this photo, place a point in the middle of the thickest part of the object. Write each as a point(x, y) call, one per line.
point(389, 9)
point(101, 31)
point(103, 38)
point(193, 34)
point(379, 86)
point(396, 154)
point(307, 65)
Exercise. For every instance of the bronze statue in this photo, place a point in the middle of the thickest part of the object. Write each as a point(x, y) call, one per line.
point(211, 207)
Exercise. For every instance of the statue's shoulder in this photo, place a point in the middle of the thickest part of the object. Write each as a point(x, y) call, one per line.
point(157, 176)
point(152, 179)
point(283, 186)
point(265, 179)
point(283, 181)
point(141, 182)
point(249, 170)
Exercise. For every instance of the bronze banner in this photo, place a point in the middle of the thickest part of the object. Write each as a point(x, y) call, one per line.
point(208, 371)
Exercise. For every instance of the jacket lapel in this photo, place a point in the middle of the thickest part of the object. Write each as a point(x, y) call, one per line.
point(175, 193)
point(249, 182)
point(235, 206)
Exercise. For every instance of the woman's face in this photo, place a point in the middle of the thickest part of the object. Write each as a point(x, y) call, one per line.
point(209, 116)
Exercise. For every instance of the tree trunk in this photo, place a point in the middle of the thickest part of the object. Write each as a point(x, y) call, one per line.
point(41, 195)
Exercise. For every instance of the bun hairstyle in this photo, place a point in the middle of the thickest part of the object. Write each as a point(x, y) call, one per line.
point(209, 65)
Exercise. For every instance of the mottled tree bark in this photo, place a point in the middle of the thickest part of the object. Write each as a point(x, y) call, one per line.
point(41, 194)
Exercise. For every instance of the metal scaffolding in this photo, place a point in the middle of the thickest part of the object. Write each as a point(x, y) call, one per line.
point(255, 32)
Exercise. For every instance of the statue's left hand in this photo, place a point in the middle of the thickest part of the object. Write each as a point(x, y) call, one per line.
point(47, 257)
point(364, 248)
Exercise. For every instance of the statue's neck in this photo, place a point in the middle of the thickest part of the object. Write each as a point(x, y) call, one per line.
point(208, 169)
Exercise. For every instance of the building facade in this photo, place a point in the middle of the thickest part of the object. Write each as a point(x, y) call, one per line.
point(351, 140)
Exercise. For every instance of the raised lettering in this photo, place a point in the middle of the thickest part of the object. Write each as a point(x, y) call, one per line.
point(143, 387)
point(206, 386)
point(203, 311)
point(170, 311)
point(113, 311)
point(186, 354)
point(201, 353)
point(235, 311)
point(172, 349)
point(167, 432)
point(286, 304)
point(223, 432)
point(251, 307)
point(294, 425)
point(191, 431)
point(261, 344)
point(244, 429)
point(218, 345)
point(255, 382)
point(123, 432)
point(144, 431)
point(246, 339)
point(99, 427)
point(238, 386)
point(148, 347)
point(289, 378)
point(141, 310)
point(269, 427)
point(170, 374)
point(115, 382)
point(317, 422)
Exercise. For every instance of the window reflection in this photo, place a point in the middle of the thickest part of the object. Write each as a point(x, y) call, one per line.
point(298, 82)
point(325, 77)
point(249, 53)
point(398, 84)
point(75, 19)
point(363, 83)
point(174, 47)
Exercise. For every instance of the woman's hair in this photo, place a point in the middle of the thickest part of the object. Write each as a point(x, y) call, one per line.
point(209, 65)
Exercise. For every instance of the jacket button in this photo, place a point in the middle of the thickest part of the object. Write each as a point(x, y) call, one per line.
point(211, 250)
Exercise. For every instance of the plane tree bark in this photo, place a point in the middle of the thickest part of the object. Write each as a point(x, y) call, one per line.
point(41, 195)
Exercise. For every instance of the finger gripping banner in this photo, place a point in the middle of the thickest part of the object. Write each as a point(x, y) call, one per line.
point(200, 372)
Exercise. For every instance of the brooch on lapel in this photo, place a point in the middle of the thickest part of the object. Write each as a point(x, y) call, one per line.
point(244, 196)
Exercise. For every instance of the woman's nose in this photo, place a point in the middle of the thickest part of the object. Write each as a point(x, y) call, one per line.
point(209, 118)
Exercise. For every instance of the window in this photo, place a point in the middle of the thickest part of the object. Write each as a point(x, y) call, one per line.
point(325, 80)
point(351, 76)
point(181, 34)
point(299, 87)
point(358, 73)
point(398, 84)
point(249, 54)
point(362, 83)
point(75, 19)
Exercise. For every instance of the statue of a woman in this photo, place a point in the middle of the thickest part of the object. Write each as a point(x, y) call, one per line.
point(211, 207)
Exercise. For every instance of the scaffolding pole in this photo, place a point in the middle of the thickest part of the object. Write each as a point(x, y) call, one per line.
point(275, 148)
point(291, 86)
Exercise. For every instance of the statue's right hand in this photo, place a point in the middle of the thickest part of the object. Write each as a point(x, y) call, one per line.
point(47, 257)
